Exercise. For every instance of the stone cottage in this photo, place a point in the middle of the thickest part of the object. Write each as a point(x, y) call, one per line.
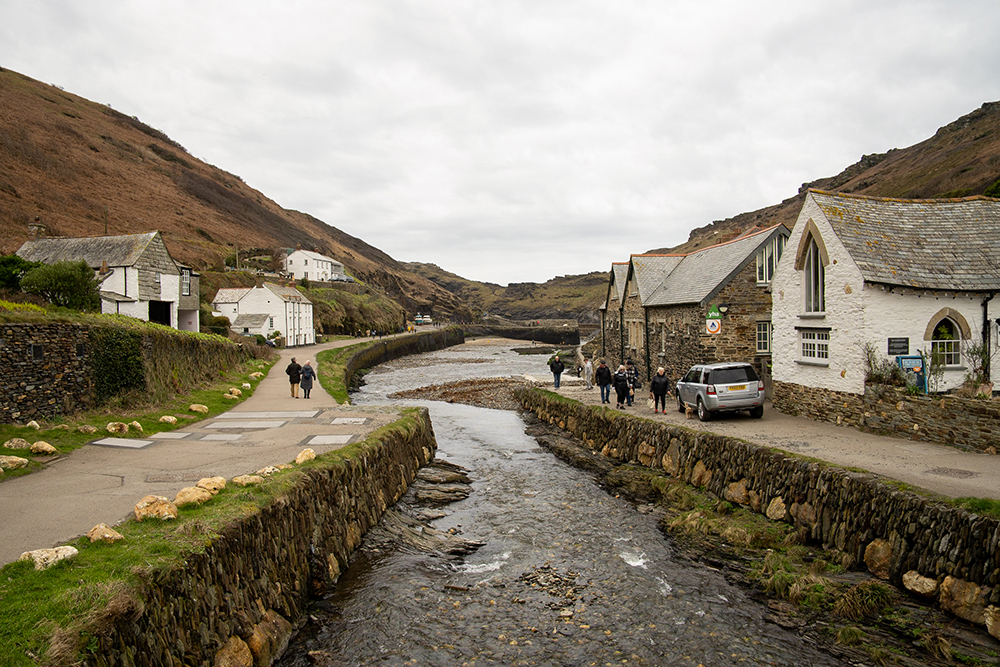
point(267, 309)
point(899, 277)
point(138, 276)
point(611, 311)
point(710, 305)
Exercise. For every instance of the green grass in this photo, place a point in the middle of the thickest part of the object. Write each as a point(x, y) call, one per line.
point(332, 366)
point(56, 610)
point(985, 506)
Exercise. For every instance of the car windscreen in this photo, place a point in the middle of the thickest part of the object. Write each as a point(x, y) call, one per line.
point(735, 375)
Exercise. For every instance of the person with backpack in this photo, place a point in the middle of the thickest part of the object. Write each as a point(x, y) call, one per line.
point(294, 373)
point(308, 375)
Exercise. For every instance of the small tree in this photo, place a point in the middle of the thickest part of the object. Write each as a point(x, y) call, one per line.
point(12, 269)
point(68, 284)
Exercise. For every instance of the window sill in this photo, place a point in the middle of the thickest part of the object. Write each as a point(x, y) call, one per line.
point(812, 316)
point(822, 364)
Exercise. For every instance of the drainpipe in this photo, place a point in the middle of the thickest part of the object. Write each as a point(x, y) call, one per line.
point(621, 336)
point(645, 340)
point(986, 335)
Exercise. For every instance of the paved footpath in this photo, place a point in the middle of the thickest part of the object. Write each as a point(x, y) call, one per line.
point(940, 469)
point(102, 483)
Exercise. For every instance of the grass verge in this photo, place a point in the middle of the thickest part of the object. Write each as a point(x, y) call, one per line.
point(333, 369)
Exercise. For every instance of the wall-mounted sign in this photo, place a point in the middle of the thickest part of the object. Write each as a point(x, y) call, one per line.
point(713, 313)
point(899, 346)
point(713, 326)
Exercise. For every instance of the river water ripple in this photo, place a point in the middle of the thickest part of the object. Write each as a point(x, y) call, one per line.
point(567, 575)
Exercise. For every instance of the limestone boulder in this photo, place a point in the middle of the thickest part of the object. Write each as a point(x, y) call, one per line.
point(17, 443)
point(33, 424)
point(104, 533)
point(135, 426)
point(168, 419)
point(878, 557)
point(86, 428)
point(776, 509)
point(247, 480)
point(198, 407)
point(156, 507)
point(266, 471)
point(737, 493)
point(231, 397)
point(212, 484)
point(269, 638)
point(117, 427)
point(235, 392)
point(284, 466)
point(247, 385)
point(256, 375)
point(12, 462)
point(192, 495)
point(306, 454)
point(43, 448)
point(701, 476)
point(46, 558)
point(964, 599)
point(917, 583)
point(992, 615)
point(234, 653)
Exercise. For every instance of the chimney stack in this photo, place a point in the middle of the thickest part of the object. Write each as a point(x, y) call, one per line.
point(104, 267)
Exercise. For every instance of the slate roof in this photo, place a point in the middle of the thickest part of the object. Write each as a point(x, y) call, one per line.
point(249, 320)
point(651, 270)
point(115, 250)
point(944, 244)
point(702, 274)
point(231, 294)
point(315, 256)
point(286, 293)
point(620, 271)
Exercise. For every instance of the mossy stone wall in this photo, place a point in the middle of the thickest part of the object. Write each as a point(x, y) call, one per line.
point(379, 352)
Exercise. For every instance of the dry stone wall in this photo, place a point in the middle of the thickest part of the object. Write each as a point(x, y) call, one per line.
point(46, 371)
point(834, 507)
point(243, 595)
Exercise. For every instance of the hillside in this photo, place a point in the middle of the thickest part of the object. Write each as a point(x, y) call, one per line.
point(961, 159)
point(79, 168)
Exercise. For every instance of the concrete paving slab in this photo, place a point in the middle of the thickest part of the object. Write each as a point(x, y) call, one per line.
point(350, 420)
point(170, 435)
point(331, 439)
point(222, 437)
point(130, 443)
point(285, 414)
point(245, 424)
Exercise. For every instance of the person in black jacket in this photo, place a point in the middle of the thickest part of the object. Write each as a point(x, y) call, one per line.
point(622, 386)
point(659, 387)
point(603, 377)
point(294, 373)
point(633, 379)
point(557, 368)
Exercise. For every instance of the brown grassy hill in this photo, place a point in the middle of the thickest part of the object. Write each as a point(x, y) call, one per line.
point(84, 169)
point(961, 159)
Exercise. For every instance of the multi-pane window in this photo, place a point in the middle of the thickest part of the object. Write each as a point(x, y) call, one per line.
point(763, 338)
point(768, 258)
point(815, 279)
point(635, 334)
point(185, 282)
point(946, 344)
point(815, 345)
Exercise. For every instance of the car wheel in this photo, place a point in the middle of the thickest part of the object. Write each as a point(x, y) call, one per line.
point(680, 405)
point(757, 412)
point(703, 413)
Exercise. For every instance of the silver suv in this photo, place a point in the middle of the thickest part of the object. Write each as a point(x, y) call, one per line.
point(722, 387)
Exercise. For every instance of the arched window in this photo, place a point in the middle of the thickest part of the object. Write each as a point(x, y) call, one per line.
point(814, 275)
point(946, 343)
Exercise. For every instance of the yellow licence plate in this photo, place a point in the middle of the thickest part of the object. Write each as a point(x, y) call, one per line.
point(737, 387)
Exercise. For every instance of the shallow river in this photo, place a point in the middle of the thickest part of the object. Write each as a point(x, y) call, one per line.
point(567, 575)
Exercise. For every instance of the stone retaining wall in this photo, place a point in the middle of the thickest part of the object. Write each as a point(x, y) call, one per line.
point(963, 422)
point(569, 335)
point(236, 603)
point(852, 512)
point(379, 352)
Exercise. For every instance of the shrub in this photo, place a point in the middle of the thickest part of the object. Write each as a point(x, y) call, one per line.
point(12, 269)
point(68, 284)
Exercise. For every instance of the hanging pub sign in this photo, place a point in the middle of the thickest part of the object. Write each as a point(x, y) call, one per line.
point(713, 320)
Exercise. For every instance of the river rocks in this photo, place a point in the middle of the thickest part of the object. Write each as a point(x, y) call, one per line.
point(192, 495)
point(212, 484)
point(198, 407)
point(247, 480)
point(168, 419)
point(117, 427)
point(992, 615)
point(269, 638)
point(776, 510)
point(86, 428)
point(235, 653)
point(878, 558)
point(17, 443)
point(306, 454)
point(964, 599)
point(43, 448)
point(103, 533)
point(46, 558)
point(12, 462)
point(156, 507)
point(737, 493)
point(917, 583)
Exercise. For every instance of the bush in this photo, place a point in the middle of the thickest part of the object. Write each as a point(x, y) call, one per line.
point(882, 370)
point(12, 269)
point(68, 284)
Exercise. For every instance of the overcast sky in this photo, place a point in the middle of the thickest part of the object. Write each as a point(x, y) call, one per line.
point(514, 141)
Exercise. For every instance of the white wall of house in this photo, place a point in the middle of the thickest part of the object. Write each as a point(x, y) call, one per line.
point(312, 266)
point(294, 319)
point(227, 309)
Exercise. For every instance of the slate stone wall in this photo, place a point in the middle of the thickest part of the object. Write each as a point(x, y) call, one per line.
point(963, 422)
point(46, 371)
point(249, 587)
point(393, 348)
point(836, 508)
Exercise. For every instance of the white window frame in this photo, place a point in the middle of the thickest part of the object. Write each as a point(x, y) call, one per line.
point(185, 282)
point(951, 348)
point(814, 346)
point(764, 337)
point(814, 280)
point(767, 259)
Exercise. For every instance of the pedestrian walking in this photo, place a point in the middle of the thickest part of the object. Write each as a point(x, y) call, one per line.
point(659, 387)
point(294, 373)
point(633, 379)
point(622, 386)
point(603, 376)
point(557, 367)
point(588, 373)
point(308, 375)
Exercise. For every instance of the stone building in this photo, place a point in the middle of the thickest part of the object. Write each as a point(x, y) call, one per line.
point(710, 305)
point(138, 276)
point(311, 265)
point(611, 313)
point(267, 309)
point(898, 277)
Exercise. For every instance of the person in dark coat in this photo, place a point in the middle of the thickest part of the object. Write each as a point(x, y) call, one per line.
point(603, 377)
point(308, 375)
point(294, 373)
point(622, 386)
point(659, 387)
point(633, 378)
point(557, 367)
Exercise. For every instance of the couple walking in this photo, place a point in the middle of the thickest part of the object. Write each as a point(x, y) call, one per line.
point(300, 376)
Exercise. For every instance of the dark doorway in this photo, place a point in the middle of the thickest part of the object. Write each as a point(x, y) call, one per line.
point(159, 312)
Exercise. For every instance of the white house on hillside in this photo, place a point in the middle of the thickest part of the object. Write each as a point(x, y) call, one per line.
point(264, 310)
point(903, 277)
point(313, 266)
point(139, 277)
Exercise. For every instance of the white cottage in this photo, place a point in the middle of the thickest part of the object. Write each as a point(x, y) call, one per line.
point(313, 266)
point(267, 309)
point(901, 277)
